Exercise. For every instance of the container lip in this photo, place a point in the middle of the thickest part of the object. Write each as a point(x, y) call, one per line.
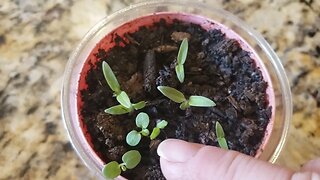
point(93, 31)
point(285, 86)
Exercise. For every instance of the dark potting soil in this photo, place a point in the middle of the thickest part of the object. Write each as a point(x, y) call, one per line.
point(216, 67)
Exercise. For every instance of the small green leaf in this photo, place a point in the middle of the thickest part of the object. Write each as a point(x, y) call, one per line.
point(223, 143)
point(145, 132)
point(111, 170)
point(162, 124)
point(183, 51)
point(155, 133)
point(110, 77)
point(184, 105)
point(201, 101)
point(131, 158)
point(180, 72)
point(124, 99)
point(117, 110)
point(139, 105)
point(172, 94)
point(219, 130)
point(220, 136)
point(133, 138)
point(142, 120)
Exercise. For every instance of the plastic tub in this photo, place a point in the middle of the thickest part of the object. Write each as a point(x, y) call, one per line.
point(146, 13)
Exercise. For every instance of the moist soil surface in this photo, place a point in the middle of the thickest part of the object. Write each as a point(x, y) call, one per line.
point(216, 67)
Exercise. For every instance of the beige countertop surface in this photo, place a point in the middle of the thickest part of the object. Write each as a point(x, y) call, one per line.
point(37, 37)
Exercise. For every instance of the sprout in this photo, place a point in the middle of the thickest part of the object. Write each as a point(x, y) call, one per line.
point(130, 160)
point(125, 105)
point(220, 135)
point(142, 121)
point(178, 97)
point(124, 100)
point(181, 59)
point(139, 105)
point(111, 78)
point(117, 110)
point(156, 131)
point(122, 97)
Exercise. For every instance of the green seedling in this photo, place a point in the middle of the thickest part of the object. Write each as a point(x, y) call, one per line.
point(178, 97)
point(142, 121)
point(122, 97)
point(125, 105)
point(111, 78)
point(220, 135)
point(130, 160)
point(181, 59)
point(156, 131)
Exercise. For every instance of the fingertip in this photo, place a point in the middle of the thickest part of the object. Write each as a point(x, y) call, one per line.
point(183, 160)
point(174, 150)
point(171, 170)
point(312, 166)
point(222, 164)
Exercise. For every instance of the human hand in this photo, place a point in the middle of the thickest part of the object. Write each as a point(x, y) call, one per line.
point(188, 161)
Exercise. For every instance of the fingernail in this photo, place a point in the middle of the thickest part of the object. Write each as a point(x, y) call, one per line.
point(178, 151)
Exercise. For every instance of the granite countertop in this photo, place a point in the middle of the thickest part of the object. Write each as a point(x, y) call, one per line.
point(36, 38)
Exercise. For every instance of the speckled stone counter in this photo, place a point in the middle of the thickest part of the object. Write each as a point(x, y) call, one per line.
point(36, 38)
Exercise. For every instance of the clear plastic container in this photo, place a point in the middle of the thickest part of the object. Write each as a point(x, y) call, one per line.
point(279, 90)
